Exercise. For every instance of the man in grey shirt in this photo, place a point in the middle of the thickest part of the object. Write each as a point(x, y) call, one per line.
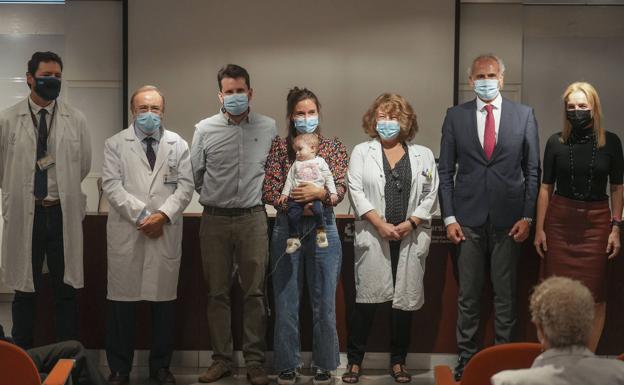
point(228, 153)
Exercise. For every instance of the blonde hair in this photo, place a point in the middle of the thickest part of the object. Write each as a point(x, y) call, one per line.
point(145, 89)
point(309, 139)
point(564, 308)
point(391, 104)
point(594, 101)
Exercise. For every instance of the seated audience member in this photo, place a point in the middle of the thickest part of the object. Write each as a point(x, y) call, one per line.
point(562, 309)
point(45, 357)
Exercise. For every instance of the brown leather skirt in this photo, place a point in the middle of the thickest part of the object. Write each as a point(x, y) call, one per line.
point(576, 235)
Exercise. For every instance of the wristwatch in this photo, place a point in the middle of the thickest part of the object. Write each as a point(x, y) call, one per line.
point(529, 220)
point(616, 222)
point(412, 222)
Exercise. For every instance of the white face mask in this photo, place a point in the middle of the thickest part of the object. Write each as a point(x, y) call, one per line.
point(486, 89)
point(388, 129)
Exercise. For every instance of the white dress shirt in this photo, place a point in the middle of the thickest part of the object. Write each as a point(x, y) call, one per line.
point(481, 116)
point(53, 193)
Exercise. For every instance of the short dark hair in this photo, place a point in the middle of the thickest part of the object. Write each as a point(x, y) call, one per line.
point(38, 57)
point(233, 71)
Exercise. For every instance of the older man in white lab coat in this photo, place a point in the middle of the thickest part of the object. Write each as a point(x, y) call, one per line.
point(45, 153)
point(148, 182)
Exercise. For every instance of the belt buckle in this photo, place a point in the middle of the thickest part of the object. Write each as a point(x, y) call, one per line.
point(49, 203)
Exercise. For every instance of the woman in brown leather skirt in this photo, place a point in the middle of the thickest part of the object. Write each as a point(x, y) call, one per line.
point(577, 232)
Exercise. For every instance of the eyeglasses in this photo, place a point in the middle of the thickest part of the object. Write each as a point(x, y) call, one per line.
point(145, 108)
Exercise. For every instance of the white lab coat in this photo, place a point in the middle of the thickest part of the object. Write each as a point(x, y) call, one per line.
point(373, 272)
point(140, 268)
point(18, 144)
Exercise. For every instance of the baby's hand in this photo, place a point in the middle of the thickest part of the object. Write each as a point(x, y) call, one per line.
point(333, 198)
point(282, 199)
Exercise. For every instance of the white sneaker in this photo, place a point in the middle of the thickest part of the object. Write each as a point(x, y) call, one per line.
point(292, 245)
point(321, 239)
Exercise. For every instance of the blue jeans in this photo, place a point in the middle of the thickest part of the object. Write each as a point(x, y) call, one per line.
point(322, 268)
point(295, 212)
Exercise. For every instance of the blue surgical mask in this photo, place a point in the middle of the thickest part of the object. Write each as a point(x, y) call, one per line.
point(486, 89)
point(306, 125)
point(388, 129)
point(148, 122)
point(236, 104)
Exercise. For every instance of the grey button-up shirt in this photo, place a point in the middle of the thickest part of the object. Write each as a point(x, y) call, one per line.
point(228, 159)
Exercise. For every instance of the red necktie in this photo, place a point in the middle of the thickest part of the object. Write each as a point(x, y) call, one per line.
point(489, 137)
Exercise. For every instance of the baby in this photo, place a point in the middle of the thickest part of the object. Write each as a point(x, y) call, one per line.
point(312, 169)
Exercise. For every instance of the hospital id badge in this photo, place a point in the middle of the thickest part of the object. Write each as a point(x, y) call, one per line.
point(171, 179)
point(45, 163)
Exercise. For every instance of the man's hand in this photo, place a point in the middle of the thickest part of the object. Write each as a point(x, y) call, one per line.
point(388, 231)
point(520, 231)
point(307, 192)
point(454, 233)
point(152, 226)
point(333, 198)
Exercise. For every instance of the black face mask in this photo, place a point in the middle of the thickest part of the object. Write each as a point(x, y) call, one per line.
point(47, 87)
point(579, 119)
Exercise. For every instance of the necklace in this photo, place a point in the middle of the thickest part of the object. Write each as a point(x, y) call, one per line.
point(587, 193)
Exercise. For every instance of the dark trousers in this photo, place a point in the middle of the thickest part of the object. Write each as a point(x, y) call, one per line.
point(486, 245)
point(295, 211)
point(120, 335)
point(85, 371)
point(362, 319)
point(47, 240)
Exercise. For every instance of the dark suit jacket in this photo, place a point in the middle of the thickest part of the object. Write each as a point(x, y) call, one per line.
point(503, 188)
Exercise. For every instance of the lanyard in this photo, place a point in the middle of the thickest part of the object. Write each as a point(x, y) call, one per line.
point(34, 120)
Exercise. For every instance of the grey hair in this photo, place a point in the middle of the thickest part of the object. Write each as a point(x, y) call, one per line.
point(487, 56)
point(564, 308)
point(145, 89)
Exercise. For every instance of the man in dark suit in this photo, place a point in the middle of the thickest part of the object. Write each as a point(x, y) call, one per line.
point(492, 144)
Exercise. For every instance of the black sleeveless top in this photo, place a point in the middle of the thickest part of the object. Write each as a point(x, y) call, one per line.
point(397, 188)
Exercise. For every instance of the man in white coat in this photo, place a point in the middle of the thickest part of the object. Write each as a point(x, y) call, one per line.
point(45, 153)
point(148, 182)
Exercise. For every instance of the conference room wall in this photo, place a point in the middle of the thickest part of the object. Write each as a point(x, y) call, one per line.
point(87, 34)
point(348, 52)
point(545, 48)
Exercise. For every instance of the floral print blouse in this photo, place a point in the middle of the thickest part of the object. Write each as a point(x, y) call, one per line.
point(278, 164)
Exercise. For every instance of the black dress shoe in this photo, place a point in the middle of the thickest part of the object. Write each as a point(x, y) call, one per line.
point(162, 376)
point(118, 379)
point(459, 369)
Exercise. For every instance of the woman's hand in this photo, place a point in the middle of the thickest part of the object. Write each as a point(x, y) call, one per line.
point(282, 199)
point(613, 244)
point(540, 243)
point(403, 228)
point(388, 231)
point(307, 192)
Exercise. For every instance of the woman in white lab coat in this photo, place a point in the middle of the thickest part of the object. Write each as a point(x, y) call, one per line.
point(148, 182)
point(393, 189)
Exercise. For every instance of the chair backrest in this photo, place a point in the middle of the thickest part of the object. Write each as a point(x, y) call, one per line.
point(497, 358)
point(16, 367)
